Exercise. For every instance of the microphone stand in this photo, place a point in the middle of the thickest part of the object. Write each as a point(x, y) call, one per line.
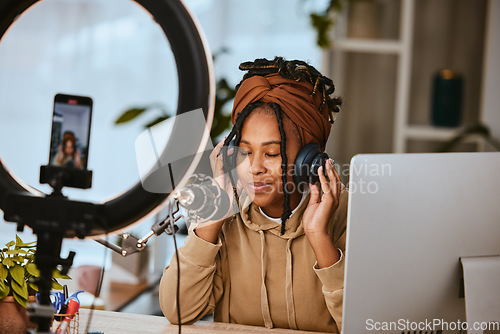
point(131, 244)
point(52, 218)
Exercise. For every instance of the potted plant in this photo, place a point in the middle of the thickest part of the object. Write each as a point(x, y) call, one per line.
point(363, 20)
point(17, 281)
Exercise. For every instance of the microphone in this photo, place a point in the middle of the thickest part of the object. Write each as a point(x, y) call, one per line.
point(203, 201)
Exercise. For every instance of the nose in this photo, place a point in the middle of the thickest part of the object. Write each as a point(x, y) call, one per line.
point(257, 165)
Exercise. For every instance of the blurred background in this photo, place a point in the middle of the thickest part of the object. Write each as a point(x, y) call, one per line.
point(415, 76)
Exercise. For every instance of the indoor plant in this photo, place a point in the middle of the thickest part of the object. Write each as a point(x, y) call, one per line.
point(362, 22)
point(18, 271)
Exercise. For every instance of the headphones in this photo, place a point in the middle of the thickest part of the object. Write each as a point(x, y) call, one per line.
point(305, 167)
point(307, 162)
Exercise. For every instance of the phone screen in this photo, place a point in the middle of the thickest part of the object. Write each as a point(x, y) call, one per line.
point(69, 144)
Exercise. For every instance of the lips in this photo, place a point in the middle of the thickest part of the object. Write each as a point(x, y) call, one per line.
point(259, 186)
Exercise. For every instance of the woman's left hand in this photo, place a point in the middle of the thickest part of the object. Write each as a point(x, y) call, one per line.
point(78, 159)
point(319, 212)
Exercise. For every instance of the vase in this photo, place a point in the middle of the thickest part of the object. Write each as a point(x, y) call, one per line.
point(14, 318)
point(447, 97)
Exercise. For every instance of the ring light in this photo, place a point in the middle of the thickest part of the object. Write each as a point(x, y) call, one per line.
point(196, 90)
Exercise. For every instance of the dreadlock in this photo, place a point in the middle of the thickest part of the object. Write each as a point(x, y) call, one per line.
point(296, 70)
point(284, 167)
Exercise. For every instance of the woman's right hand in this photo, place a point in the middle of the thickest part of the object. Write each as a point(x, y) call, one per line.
point(209, 231)
point(59, 155)
point(216, 163)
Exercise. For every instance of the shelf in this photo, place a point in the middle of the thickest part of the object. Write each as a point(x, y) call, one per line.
point(369, 45)
point(427, 132)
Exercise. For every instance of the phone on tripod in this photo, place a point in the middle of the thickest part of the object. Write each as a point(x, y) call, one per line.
point(69, 144)
point(70, 137)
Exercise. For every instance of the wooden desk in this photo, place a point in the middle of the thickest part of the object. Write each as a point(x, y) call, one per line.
point(126, 323)
point(119, 295)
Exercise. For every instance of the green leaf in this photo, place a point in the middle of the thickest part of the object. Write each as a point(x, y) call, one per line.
point(21, 290)
point(57, 274)
point(156, 121)
point(19, 259)
point(32, 269)
point(4, 290)
point(22, 301)
point(56, 286)
point(33, 286)
point(3, 272)
point(335, 5)
point(129, 115)
point(8, 262)
point(12, 252)
point(28, 245)
point(322, 24)
point(10, 243)
point(17, 273)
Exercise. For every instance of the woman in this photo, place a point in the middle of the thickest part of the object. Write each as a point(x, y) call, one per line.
point(279, 262)
point(68, 155)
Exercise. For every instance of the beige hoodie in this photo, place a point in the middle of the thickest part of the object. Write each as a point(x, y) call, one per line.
point(255, 276)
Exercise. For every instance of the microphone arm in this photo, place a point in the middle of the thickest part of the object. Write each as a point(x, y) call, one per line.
point(131, 244)
point(202, 199)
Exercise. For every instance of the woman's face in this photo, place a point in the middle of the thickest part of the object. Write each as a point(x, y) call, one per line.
point(68, 148)
point(260, 173)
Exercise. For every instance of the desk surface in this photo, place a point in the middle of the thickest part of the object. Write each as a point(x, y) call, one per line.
point(126, 323)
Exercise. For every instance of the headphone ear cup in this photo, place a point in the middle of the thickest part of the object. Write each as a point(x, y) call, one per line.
point(307, 162)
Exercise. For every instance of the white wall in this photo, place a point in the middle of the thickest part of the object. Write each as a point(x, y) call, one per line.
point(491, 71)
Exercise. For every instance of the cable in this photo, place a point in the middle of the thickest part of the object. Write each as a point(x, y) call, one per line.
point(101, 278)
point(178, 272)
point(172, 226)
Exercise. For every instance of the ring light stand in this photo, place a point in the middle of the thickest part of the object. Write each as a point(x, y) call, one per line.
point(54, 217)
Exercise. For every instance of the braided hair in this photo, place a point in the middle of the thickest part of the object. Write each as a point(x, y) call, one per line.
point(296, 70)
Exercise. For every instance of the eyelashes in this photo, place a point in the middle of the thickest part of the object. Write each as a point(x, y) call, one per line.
point(267, 154)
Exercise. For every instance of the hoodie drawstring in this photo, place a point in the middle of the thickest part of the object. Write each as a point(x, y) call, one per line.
point(290, 306)
point(264, 302)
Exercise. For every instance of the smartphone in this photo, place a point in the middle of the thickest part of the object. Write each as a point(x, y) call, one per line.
point(70, 136)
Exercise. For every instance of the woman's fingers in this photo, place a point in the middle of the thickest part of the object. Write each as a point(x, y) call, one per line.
point(215, 159)
point(216, 151)
point(314, 199)
point(325, 184)
point(334, 177)
point(330, 186)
